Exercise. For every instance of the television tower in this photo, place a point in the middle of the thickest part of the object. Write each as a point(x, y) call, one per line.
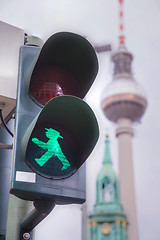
point(124, 102)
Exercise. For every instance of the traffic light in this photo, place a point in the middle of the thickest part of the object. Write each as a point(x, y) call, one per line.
point(55, 130)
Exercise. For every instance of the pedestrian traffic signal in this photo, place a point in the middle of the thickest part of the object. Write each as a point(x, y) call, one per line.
point(55, 129)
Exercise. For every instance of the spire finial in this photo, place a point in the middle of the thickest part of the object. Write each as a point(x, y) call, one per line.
point(107, 156)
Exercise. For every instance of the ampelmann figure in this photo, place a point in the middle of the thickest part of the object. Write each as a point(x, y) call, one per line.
point(53, 148)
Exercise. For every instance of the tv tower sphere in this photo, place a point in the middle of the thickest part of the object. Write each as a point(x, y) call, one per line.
point(123, 97)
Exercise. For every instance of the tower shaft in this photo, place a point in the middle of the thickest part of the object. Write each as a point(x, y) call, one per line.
point(124, 133)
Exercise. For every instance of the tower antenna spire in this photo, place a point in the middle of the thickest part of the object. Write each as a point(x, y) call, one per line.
point(121, 24)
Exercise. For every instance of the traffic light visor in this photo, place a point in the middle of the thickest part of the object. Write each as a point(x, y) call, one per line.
point(67, 65)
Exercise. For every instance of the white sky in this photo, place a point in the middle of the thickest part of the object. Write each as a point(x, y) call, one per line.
point(98, 21)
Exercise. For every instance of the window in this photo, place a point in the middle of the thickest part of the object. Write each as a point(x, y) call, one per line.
point(107, 191)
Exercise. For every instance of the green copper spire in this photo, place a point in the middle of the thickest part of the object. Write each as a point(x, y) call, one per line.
point(108, 220)
point(107, 155)
point(107, 181)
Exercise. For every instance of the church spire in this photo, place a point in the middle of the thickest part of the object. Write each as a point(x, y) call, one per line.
point(108, 220)
point(107, 155)
point(107, 180)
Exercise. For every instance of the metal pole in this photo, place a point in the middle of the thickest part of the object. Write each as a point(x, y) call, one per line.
point(5, 169)
point(17, 210)
point(84, 222)
point(42, 209)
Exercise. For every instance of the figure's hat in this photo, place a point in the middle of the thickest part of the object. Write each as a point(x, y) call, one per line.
point(53, 131)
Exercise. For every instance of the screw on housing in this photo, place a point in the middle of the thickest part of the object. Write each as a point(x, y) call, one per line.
point(26, 236)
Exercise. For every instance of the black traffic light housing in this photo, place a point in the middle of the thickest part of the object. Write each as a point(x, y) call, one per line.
point(50, 111)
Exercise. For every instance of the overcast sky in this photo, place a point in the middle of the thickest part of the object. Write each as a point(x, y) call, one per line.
point(98, 21)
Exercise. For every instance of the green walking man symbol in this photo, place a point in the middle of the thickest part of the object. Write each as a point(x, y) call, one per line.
point(53, 148)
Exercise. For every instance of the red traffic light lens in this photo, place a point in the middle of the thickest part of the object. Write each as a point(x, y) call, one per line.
point(48, 82)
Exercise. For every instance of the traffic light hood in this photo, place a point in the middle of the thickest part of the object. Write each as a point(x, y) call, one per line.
point(67, 65)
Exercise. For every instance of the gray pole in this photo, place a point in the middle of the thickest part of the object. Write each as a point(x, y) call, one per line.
point(84, 222)
point(18, 208)
point(5, 169)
